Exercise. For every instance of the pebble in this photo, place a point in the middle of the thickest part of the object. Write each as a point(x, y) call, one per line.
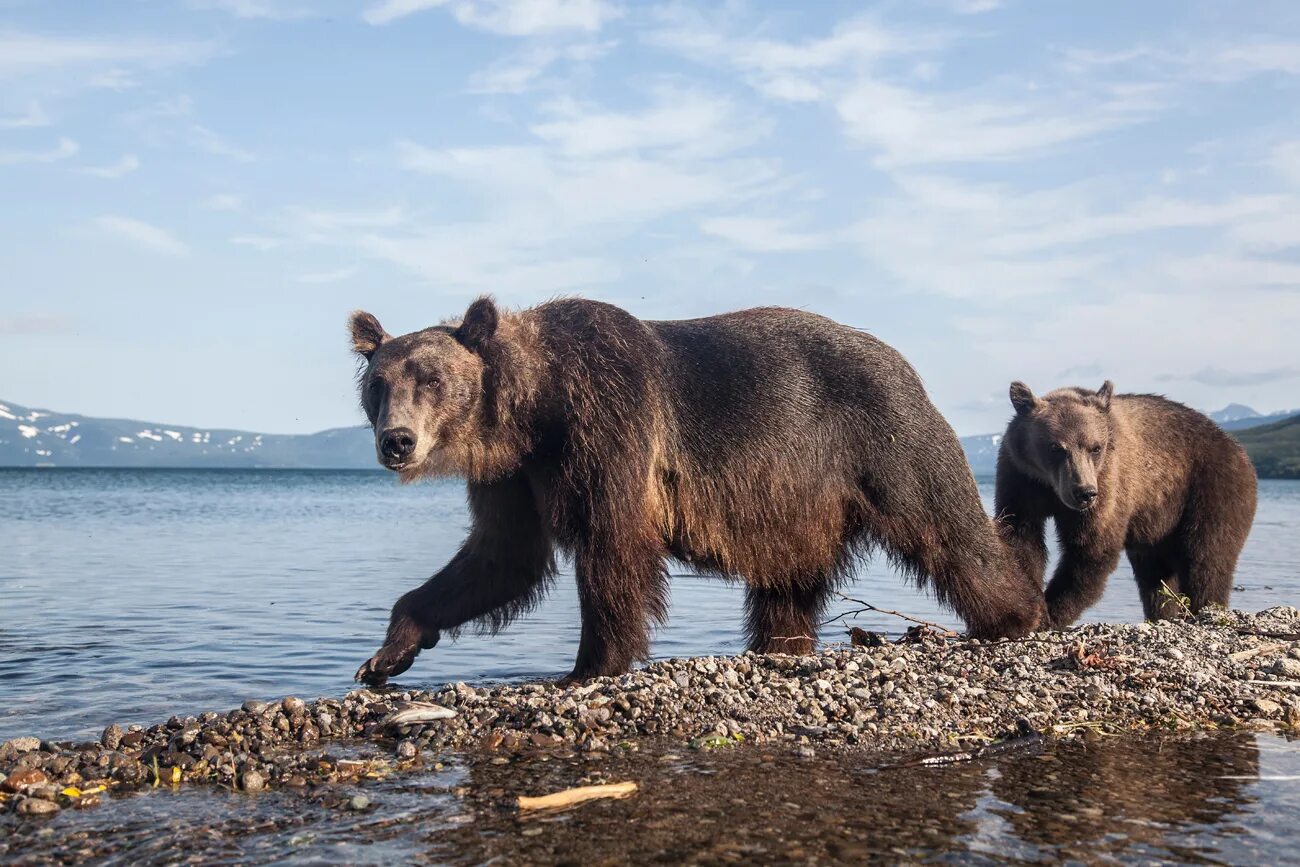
point(37, 807)
point(358, 803)
point(901, 698)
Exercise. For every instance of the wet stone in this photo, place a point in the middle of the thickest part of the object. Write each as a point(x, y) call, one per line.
point(112, 737)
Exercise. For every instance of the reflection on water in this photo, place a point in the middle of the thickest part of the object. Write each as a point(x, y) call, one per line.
point(130, 595)
point(1198, 799)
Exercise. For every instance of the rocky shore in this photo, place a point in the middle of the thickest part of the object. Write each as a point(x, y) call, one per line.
point(927, 698)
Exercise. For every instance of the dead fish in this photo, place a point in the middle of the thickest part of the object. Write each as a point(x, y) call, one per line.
point(416, 712)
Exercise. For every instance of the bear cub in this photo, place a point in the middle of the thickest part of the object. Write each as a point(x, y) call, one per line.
point(1133, 474)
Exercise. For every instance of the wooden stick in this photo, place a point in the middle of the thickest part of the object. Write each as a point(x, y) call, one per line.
point(1243, 655)
point(867, 606)
point(569, 797)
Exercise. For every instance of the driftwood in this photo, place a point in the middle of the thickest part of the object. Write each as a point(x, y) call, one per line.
point(1243, 655)
point(570, 797)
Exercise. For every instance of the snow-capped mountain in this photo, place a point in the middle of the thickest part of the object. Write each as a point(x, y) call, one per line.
point(38, 437)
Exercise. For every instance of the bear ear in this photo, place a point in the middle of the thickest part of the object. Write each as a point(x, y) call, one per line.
point(479, 324)
point(1022, 398)
point(367, 334)
point(1105, 393)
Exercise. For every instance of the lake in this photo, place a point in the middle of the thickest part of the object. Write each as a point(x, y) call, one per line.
point(131, 595)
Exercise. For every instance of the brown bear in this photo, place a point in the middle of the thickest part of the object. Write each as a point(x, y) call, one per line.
point(771, 446)
point(1129, 473)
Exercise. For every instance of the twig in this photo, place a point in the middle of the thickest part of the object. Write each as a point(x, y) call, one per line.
point(1294, 684)
point(569, 797)
point(867, 606)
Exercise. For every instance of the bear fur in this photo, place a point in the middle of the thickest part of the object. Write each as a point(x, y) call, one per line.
point(1128, 473)
point(770, 446)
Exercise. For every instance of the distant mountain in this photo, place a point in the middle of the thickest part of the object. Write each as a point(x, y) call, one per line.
point(982, 450)
point(1274, 448)
point(1234, 412)
point(38, 437)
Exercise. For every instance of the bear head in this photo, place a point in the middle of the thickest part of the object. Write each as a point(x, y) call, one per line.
point(1063, 440)
point(423, 392)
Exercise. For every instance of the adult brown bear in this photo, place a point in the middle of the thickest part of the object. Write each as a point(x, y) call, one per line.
point(1133, 473)
point(768, 445)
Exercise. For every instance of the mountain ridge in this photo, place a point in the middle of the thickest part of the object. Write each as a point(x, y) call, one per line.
point(40, 437)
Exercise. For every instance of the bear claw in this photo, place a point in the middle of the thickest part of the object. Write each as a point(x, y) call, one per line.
point(387, 663)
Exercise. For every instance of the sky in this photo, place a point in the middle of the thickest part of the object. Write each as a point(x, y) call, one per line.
point(194, 194)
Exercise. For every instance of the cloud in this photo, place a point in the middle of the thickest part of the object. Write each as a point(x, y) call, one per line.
point(523, 72)
point(1203, 60)
point(679, 120)
point(30, 53)
point(972, 7)
point(175, 121)
point(762, 235)
point(121, 168)
point(909, 127)
point(63, 150)
point(141, 234)
point(33, 117)
point(506, 17)
point(1285, 160)
point(223, 202)
point(328, 276)
point(1220, 378)
point(992, 242)
point(275, 10)
point(37, 323)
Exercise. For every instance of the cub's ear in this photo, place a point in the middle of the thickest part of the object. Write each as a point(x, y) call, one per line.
point(479, 324)
point(1105, 393)
point(1022, 398)
point(367, 334)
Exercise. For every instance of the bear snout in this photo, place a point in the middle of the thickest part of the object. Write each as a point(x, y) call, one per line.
point(396, 445)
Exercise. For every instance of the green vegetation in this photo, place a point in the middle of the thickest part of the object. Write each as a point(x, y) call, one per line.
point(1274, 448)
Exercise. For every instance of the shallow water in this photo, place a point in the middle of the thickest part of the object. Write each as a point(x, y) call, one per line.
point(131, 595)
point(1192, 800)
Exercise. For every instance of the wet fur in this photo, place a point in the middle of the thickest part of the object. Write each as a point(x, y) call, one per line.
point(1175, 493)
point(770, 446)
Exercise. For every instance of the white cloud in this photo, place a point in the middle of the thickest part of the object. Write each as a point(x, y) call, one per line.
point(682, 121)
point(1204, 60)
point(121, 168)
point(507, 17)
point(335, 276)
point(223, 202)
point(275, 10)
point(28, 53)
point(175, 120)
point(911, 127)
point(63, 150)
point(524, 71)
point(34, 116)
point(762, 235)
point(1285, 160)
point(989, 242)
point(141, 234)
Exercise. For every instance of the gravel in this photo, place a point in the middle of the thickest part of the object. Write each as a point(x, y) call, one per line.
point(1223, 669)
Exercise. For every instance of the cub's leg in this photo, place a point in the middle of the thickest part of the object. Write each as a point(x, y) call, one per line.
point(1080, 579)
point(784, 619)
point(1157, 577)
point(500, 571)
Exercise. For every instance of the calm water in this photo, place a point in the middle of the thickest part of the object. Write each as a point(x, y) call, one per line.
point(130, 595)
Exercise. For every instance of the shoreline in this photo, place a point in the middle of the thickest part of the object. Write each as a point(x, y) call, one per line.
point(935, 697)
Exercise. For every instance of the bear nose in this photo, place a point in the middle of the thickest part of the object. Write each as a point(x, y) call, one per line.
point(397, 443)
point(1085, 494)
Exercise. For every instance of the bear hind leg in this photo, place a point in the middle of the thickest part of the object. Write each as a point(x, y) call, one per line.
point(784, 618)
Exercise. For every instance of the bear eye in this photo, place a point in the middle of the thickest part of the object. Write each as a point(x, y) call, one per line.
point(1096, 450)
point(1058, 449)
